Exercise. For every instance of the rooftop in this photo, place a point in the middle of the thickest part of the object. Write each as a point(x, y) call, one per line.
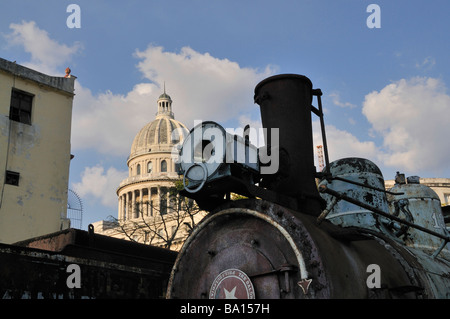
point(60, 83)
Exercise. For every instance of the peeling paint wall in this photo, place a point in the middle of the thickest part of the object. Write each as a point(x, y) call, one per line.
point(40, 152)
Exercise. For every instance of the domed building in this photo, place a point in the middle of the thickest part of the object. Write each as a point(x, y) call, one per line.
point(150, 165)
point(149, 211)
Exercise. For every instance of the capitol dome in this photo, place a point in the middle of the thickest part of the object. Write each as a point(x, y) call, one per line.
point(151, 168)
point(161, 134)
point(150, 160)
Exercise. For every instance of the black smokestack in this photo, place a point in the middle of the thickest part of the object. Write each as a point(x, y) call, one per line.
point(285, 103)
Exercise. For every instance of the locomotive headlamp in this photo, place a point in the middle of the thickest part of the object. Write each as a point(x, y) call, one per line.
point(209, 153)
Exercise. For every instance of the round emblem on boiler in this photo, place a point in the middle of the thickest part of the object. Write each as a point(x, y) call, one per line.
point(232, 284)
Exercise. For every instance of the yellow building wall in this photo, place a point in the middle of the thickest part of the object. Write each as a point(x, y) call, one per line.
point(40, 152)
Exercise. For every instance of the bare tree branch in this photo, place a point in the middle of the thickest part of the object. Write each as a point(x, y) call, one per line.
point(174, 214)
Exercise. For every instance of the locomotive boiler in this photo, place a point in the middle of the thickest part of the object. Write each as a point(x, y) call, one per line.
point(300, 233)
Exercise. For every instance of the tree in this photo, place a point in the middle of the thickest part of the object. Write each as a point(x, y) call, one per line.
point(173, 219)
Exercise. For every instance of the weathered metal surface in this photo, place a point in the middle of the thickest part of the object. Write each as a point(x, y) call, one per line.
point(434, 270)
point(420, 205)
point(433, 262)
point(244, 239)
point(285, 104)
point(285, 255)
point(109, 268)
point(360, 171)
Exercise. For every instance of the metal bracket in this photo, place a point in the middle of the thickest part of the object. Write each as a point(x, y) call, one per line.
point(286, 268)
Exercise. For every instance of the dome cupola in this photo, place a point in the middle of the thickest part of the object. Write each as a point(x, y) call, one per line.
point(164, 105)
point(161, 134)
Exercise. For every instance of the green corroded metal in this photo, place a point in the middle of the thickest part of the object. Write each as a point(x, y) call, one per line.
point(360, 171)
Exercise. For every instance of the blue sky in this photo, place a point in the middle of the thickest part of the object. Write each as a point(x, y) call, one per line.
point(386, 94)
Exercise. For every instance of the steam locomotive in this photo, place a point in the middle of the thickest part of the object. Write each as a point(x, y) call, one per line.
point(298, 233)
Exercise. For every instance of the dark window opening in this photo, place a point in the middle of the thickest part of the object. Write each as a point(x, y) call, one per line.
point(163, 166)
point(20, 109)
point(12, 178)
point(163, 201)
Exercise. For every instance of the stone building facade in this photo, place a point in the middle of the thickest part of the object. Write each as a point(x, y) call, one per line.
point(35, 129)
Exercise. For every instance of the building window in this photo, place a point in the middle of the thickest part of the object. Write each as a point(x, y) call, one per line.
point(151, 208)
point(137, 210)
point(12, 178)
point(163, 166)
point(163, 201)
point(163, 206)
point(138, 169)
point(149, 167)
point(20, 109)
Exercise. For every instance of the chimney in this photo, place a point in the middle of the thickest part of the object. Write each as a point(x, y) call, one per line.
point(285, 103)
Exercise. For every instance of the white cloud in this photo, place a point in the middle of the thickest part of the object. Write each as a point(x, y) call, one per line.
point(100, 184)
point(336, 98)
point(108, 122)
point(342, 144)
point(202, 87)
point(412, 116)
point(47, 55)
point(427, 64)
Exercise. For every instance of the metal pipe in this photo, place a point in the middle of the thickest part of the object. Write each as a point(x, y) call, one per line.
point(318, 93)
